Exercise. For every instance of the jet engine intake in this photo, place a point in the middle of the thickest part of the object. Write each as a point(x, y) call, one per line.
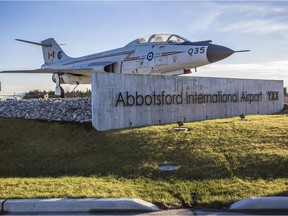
point(72, 79)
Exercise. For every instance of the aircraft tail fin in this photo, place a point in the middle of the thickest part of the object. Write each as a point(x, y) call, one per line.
point(52, 52)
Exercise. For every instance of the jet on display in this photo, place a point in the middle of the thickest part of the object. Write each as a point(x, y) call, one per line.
point(157, 54)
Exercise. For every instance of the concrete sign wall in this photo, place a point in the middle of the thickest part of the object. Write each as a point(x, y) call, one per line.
point(122, 101)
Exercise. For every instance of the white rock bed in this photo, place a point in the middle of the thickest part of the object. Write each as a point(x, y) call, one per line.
point(67, 109)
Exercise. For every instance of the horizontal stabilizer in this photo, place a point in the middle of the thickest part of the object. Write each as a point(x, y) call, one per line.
point(35, 43)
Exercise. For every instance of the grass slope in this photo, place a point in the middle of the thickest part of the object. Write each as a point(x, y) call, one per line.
point(220, 161)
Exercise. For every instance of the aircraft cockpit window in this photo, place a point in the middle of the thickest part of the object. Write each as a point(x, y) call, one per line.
point(168, 38)
point(152, 39)
point(158, 38)
point(142, 40)
point(175, 39)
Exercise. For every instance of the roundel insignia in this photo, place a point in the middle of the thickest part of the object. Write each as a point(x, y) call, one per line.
point(60, 53)
point(150, 56)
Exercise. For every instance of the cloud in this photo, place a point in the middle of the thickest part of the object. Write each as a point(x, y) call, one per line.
point(260, 26)
point(207, 20)
point(259, 18)
point(277, 70)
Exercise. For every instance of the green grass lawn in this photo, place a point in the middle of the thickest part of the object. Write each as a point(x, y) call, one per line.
point(220, 161)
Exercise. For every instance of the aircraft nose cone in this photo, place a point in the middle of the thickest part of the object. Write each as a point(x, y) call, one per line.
point(216, 53)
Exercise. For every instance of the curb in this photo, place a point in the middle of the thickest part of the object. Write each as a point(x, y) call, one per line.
point(75, 205)
point(261, 203)
point(1, 205)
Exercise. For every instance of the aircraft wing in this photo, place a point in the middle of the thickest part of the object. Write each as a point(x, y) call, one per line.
point(51, 71)
point(23, 71)
point(93, 67)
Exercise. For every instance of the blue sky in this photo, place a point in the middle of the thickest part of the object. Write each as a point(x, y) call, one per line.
point(94, 26)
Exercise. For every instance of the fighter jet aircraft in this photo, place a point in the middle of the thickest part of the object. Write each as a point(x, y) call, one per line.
point(155, 54)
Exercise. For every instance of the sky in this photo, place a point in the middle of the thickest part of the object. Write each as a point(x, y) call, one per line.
point(88, 27)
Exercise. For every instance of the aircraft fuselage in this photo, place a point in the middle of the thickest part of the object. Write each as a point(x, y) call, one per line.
point(157, 54)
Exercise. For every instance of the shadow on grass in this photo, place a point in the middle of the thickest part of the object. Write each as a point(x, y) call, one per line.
point(41, 149)
point(284, 193)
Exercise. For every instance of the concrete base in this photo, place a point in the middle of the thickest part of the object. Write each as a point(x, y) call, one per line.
point(75, 205)
point(123, 101)
point(261, 203)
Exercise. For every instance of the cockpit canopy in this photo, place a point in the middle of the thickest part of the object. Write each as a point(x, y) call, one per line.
point(159, 38)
